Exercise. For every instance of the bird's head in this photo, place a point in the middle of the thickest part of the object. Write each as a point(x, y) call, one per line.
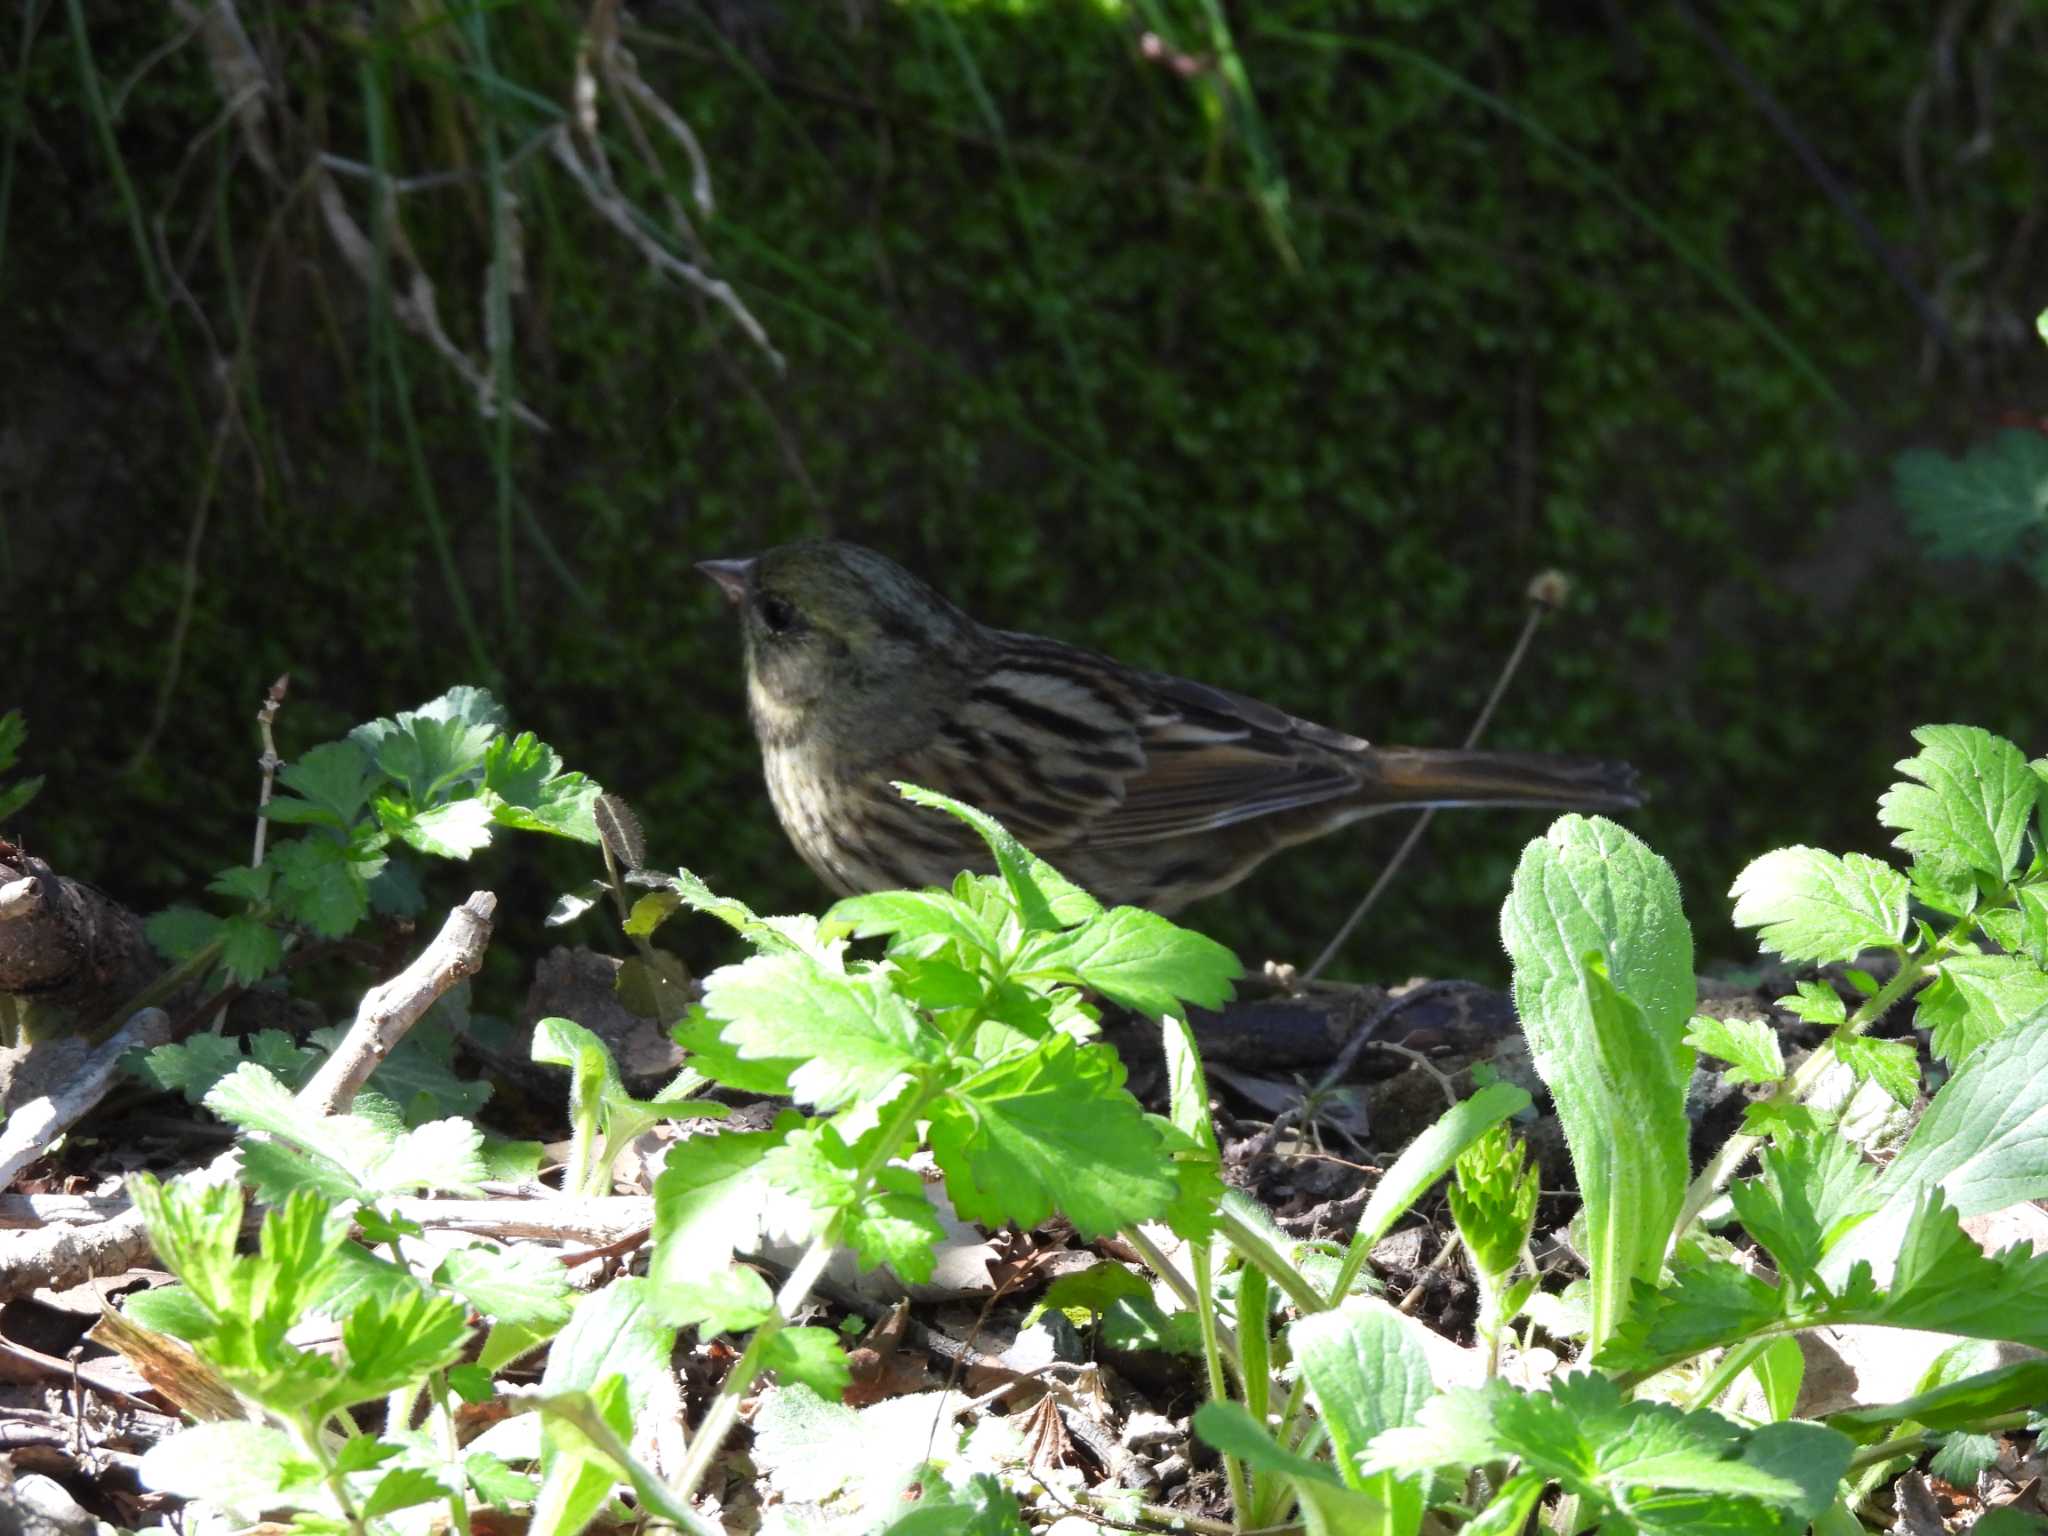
point(838, 631)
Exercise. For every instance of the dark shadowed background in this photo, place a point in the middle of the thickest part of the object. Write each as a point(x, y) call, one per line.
point(1279, 345)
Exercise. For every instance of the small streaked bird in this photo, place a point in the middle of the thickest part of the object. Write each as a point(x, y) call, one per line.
point(1146, 789)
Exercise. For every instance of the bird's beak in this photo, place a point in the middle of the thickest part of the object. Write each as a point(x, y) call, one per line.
point(731, 576)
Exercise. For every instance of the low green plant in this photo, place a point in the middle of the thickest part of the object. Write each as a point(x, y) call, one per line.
point(971, 1038)
point(438, 781)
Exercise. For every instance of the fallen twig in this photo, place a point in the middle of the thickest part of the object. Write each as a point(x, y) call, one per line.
point(32, 1127)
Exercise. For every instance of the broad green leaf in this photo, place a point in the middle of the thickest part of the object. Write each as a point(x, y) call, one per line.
point(1328, 1506)
point(1052, 1129)
point(1982, 506)
point(1665, 1469)
point(1136, 958)
point(709, 1198)
point(431, 747)
point(615, 1332)
point(1812, 905)
point(392, 1346)
point(178, 933)
point(2010, 1388)
point(235, 1465)
point(1972, 803)
point(576, 1474)
point(1983, 1142)
point(524, 1286)
point(324, 884)
point(1977, 998)
point(1367, 1373)
point(852, 1035)
point(454, 829)
point(906, 915)
point(1749, 1046)
point(889, 1222)
point(1894, 1065)
point(252, 948)
point(811, 1356)
point(526, 788)
point(1604, 985)
point(1045, 898)
point(335, 778)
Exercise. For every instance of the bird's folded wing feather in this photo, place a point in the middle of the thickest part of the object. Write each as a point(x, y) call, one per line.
point(1213, 759)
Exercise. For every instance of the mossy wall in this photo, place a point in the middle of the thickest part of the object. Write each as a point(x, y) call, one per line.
point(1548, 292)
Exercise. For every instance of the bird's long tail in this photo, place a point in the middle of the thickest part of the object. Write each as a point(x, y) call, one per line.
point(1422, 776)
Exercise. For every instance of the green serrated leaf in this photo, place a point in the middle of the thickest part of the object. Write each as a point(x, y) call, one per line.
point(1136, 958)
point(1892, 1064)
point(433, 747)
point(251, 950)
point(909, 915)
point(395, 1345)
point(1051, 1129)
point(1812, 905)
point(335, 779)
point(1977, 998)
point(851, 1035)
point(454, 829)
point(324, 884)
point(812, 1357)
point(1749, 1046)
point(1816, 1002)
point(1983, 506)
point(1972, 804)
point(526, 1287)
point(1367, 1372)
point(527, 789)
point(1045, 899)
point(178, 933)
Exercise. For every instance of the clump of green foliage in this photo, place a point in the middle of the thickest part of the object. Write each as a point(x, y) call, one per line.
point(970, 1036)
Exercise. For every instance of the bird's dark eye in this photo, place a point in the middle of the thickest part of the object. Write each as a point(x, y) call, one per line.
point(777, 613)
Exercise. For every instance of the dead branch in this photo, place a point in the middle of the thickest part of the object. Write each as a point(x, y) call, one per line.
point(31, 1127)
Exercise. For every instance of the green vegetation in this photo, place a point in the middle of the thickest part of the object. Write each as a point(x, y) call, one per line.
point(969, 1038)
point(1282, 348)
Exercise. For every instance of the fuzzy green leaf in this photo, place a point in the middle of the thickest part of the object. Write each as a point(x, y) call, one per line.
point(1045, 898)
point(1749, 1046)
point(335, 779)
point(852, 1035)
point(1051, 1129)
point(1604, 985)
point(1812, 905)
point(1977, 998)
point(1972, 803)
point(812, 1357)
point(1894, 1065)
point(1136, 958)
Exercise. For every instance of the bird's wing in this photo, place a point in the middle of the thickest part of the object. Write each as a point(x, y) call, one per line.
point(1214, 758)
point(1073, 749)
